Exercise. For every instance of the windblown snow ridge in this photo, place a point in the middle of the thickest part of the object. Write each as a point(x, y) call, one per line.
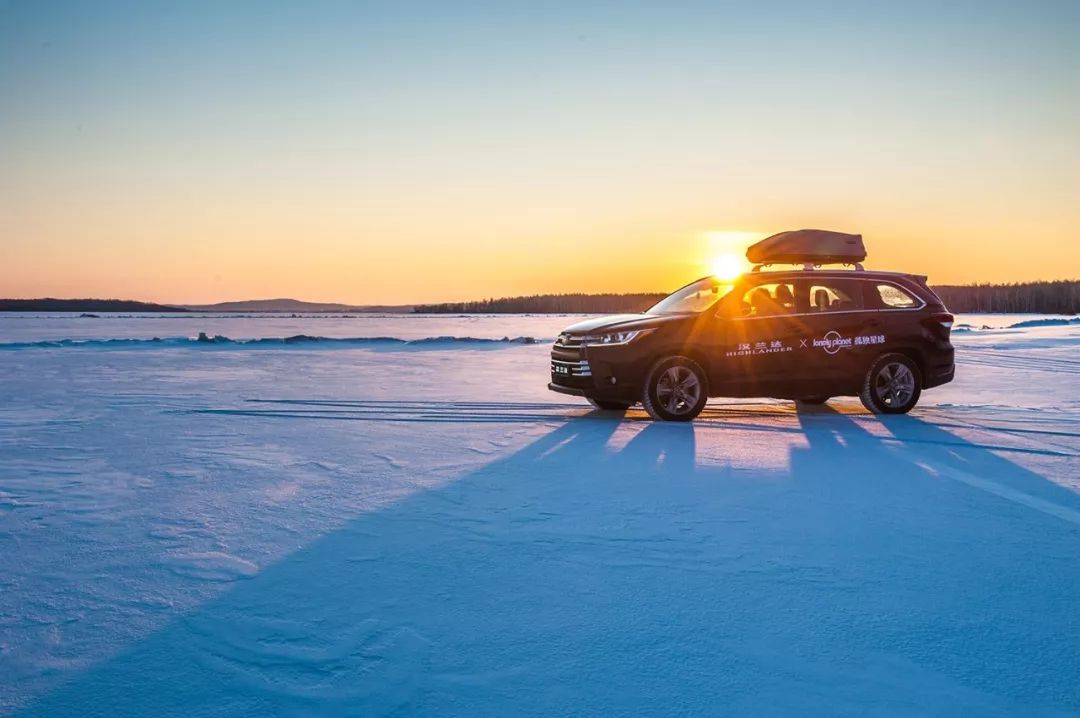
point(1045, 323)
point(204, 340)
point(1026, 324)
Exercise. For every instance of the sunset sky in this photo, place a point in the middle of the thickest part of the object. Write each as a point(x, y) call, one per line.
point(403, 151)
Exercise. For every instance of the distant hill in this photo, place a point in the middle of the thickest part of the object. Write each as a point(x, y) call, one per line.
point(49, 304)
point(127, 305)
point(290, 305)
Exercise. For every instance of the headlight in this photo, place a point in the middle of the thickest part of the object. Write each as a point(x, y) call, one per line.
point(613, 338)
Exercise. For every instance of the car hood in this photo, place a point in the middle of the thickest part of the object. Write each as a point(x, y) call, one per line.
point(622, 323)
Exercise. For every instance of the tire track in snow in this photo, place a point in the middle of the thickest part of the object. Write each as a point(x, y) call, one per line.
point(1010, 360)
point(745, 417)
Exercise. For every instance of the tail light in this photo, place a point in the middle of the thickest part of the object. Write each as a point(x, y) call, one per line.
point(940, 323)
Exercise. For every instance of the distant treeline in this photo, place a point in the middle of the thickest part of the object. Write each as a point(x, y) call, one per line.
point(82, 305)
point(1062, 297)
point(548, 304)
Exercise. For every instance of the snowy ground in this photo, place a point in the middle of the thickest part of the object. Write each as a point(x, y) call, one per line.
point(376, 527)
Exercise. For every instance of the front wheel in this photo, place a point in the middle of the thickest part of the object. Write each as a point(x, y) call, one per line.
point(605, 405)
point(892, 385)
point(676, 389)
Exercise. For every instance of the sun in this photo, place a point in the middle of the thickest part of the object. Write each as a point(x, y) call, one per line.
point(727, 267)
point(724, 251)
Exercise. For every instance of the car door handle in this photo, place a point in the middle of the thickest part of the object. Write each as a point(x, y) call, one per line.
point(872, 326)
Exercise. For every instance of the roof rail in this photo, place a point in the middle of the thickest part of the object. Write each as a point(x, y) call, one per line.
point(810, 266)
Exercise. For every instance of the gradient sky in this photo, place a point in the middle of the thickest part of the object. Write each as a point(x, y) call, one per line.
point(406, 151)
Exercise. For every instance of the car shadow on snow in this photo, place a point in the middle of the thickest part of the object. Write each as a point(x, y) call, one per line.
point(613, 568)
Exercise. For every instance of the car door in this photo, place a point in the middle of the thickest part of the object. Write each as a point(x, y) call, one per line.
point(835, 333)
point(891, 323)
point(760, 336)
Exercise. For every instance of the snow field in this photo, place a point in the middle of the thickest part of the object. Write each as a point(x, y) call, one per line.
point(425, 529)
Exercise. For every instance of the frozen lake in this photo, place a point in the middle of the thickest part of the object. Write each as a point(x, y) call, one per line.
point(23, 327)
point(405, 523)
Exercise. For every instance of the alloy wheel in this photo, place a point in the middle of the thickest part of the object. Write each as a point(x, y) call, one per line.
point(894, 385)
point(678, 390)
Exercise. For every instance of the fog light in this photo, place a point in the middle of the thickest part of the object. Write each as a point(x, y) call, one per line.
point(612, 380)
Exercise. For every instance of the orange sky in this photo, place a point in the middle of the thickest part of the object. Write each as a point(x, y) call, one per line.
point(396, 156)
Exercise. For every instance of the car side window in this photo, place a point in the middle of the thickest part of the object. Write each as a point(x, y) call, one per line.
point(768, 300)
point(834, 295)
point(893, 297)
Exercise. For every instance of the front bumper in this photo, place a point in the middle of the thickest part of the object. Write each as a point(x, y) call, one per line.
point(592, 373)
point(596, 371)
point(569, 390)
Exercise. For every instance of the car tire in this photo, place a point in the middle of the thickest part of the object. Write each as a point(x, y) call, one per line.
point(676, 389)
point(606, 405)
point(812, 400)
point(892, 385)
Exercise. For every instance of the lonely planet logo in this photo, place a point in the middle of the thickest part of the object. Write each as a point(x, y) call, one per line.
point(832, 342)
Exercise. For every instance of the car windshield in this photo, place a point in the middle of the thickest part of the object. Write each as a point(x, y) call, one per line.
point(696, 297)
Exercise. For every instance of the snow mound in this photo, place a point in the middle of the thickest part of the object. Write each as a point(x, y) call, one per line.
point(1045, 323)
point(203, 339)
point(1026, 324)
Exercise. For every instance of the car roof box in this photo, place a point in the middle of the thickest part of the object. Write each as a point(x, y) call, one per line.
point(808, 246)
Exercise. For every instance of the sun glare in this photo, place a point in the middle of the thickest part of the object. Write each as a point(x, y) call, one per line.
point(726, 250)
point(726, 266)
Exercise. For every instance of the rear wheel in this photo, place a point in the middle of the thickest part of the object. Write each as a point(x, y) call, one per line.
point(892, 385)
point(676, 389)
point(605, 405)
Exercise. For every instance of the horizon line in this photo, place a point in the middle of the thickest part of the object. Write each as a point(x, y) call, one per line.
point(182, 305)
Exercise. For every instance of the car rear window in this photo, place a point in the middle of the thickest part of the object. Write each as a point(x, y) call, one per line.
point(893, 297)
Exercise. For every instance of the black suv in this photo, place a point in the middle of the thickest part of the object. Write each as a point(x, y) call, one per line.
point(804, 334)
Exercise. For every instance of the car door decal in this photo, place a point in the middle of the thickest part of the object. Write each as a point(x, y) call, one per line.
point(834, 341)
point(772, 346)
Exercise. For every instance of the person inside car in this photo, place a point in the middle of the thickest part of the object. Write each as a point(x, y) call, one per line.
point(784, 298)
point(821, 300)
point(762, 303)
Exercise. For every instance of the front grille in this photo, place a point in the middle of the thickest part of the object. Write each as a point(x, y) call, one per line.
point(567, 350)
point(567, 340)
point(570, 369)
